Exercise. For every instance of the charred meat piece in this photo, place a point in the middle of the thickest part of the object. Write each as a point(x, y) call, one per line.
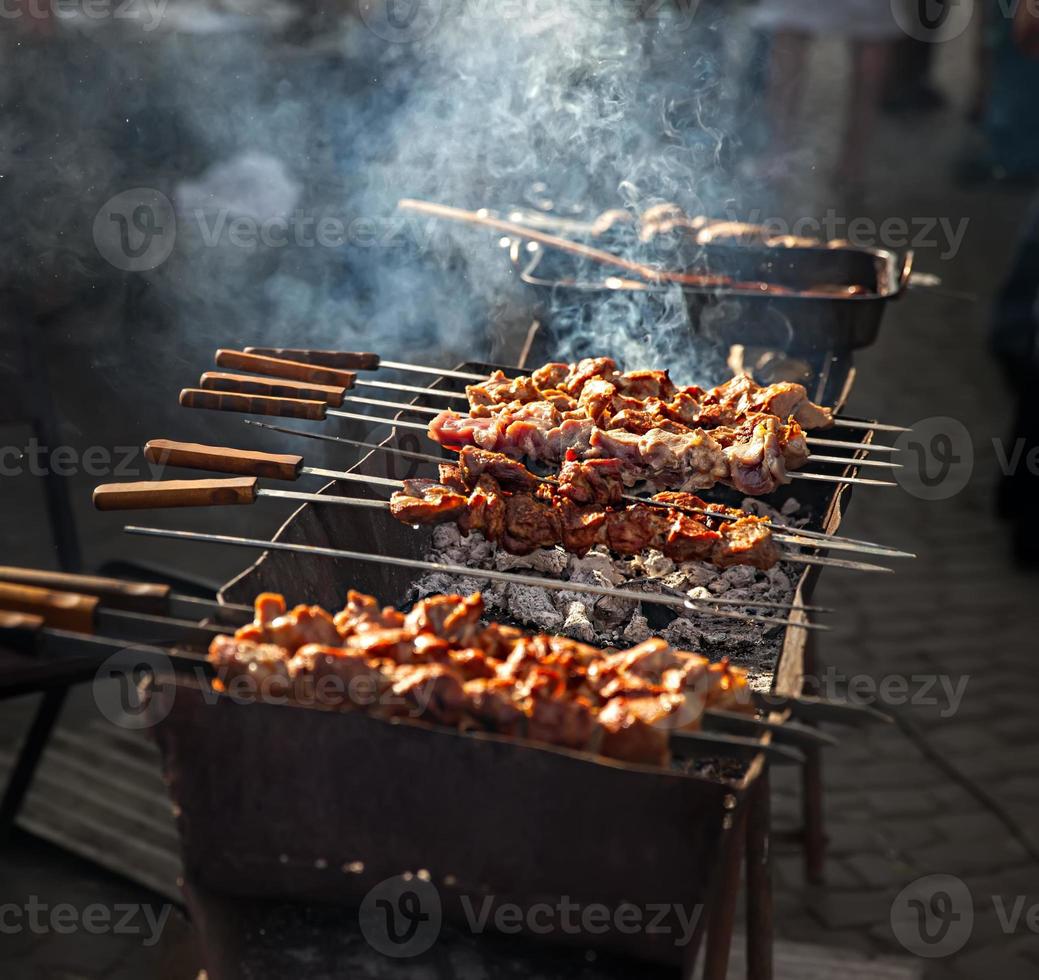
point(646, 384)
point(567, 722)
point(426, 502)
point(337, 678)
point(452, 617)
point(757, 466)
point(304, 624)
point(635, 529)
point(269, 606)
point(746, 542)
point(249, 669)
point(362, 612)
point(485, 511)
point(491, 705)
point(498, 388)
point(473, 664)
point(397, 645)
point(431, 692)
point(582, 527)
point(689, 539)
point(594, 481)
point(584, 370)
point(635, 729)
point(551, 375)
point(509, 473)
point(529, 524)
point(451, 477)
point(498, 641)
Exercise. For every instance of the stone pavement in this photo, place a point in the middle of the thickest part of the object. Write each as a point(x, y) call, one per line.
point(953, 788)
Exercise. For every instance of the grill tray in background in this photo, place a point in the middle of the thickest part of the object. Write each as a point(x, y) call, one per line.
point(795, 324)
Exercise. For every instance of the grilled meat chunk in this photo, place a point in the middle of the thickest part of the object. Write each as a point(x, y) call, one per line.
point(594, 481)
point(510, 474)
point(530, 524)
point(485, 512)
point(431, 692)
point(635, 729)
point(426, 502)
point(452, 617)
point(264, 666)
point(745, 542)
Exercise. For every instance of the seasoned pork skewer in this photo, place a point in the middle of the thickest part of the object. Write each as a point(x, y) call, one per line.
point(794, 535)
point(440, 664)
point(547, 376)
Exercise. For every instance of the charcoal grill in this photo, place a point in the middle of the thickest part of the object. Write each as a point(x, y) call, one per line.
point(326, 805)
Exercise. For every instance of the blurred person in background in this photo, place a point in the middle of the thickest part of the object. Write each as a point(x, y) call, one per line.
point(1015, 341)
point(1009, 121)
point(871, 30)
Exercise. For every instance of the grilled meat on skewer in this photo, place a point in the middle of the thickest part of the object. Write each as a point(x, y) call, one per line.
point(523, 522)
point(596, 385)
point(753, 458)
point(448, 669)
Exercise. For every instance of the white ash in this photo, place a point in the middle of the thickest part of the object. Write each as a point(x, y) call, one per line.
point(614, 622)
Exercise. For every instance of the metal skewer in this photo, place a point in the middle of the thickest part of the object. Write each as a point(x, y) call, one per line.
point(795, 475)
point(833, 541)
point(243, 490)
point(689, 605)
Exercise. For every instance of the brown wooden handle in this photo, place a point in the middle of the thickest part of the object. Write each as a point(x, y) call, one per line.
point(143, 597)
point(20, 631)
point(278, 387)
point(278, 367)
point(228, 401)
point(220, 459)
point(175, 493)
point(343, 359)
point(61, 610)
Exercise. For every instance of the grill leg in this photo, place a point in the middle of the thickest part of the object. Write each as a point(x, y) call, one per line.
point(723, 915)
point(20, 780)
point(759, 884)
point(813, 828)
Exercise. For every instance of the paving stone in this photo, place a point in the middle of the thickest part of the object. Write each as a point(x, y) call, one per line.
point(995, 962)
point(959, 859)
point(901, 802)
point(879, 871)
point(844, 910)
point(979, 826)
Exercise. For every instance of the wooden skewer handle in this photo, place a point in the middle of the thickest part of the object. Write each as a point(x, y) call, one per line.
point(62, 610)
point(229, 401)
point(20, 631)
point(278, 367)
point(342, 359)
point(279, 388)
point(220, 459)
point(144, 597)
point(175, 493)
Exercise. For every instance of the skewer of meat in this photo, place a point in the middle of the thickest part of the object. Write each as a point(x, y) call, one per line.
point(438, 663)
point(797, 535)
point(294, 363)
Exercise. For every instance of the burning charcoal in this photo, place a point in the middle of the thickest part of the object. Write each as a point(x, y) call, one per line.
point(637, 629)
point(546, 561)
point(789, 507)
point(577, 623)
point(739, 576)
point(528, 604)
point(596, 560)
point(656, 563)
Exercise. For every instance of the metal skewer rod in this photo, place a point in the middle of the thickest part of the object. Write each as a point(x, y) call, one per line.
point(832, 541)
point(413, 389)
point(493, 575)
point(426, 410)
point(797, 475)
